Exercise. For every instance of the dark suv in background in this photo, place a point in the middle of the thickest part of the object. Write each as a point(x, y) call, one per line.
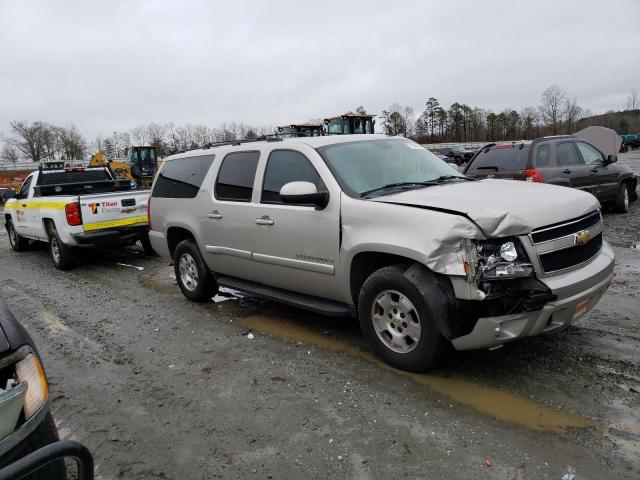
point(457, 154)
point(561, 160)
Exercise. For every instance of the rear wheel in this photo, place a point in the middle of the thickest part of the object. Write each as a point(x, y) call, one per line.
point(18, 243)
point(397, 321)
point(63, 256)
point(622, 200)
point(193, 275)
point(146, 245)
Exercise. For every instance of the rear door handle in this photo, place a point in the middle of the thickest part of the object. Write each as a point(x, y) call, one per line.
point(215, 215)
point(566, 170)
point(24, 205)
point(264, 221)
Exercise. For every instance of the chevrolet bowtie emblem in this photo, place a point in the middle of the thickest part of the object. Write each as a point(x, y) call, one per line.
point(582, 238)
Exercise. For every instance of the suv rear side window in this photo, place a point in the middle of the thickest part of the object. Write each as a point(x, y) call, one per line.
point(500, 160)
point(286, 166)
point(566, 154)
point(182, 177)
point(543, 156)
point(235, 179)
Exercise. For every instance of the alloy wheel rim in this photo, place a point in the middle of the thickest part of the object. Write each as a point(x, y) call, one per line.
point(188, 272)
point(626, 197)
point(396, 321)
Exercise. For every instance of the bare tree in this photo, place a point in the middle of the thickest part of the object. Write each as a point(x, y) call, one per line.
point(551, 105)
point(572, 113)
point(9, 153)
point(633, 100)
point(32, 140)
point(70, 144)
point(139, 135)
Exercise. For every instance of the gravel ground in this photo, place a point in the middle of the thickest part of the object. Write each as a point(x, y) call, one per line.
point(158, 387)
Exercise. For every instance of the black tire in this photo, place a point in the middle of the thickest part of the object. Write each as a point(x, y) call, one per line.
point(43, 435)
point(146, 246)
point(18, 243)
point(63, 256)
point(195, 279)
point(430, 345)
point(623, 198)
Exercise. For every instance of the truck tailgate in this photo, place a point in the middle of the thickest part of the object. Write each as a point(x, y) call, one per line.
point(112, 210)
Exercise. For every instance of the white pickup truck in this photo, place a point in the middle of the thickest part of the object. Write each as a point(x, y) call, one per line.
point(75, 207)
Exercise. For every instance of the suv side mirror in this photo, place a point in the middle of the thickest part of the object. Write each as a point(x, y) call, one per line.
point(7, 194)
point(304, 193)
point(611, 159)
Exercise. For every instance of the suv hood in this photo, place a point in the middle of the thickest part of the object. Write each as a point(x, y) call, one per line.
point(501, 207)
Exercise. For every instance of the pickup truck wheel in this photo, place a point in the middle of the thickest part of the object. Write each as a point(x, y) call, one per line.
point(63, 257)
point(397, 322)
point(193, 275)
point(622, 200)
point(146, 246)
point(18, 243)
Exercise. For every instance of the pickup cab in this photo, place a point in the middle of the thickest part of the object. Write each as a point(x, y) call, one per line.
point(380, 228)
point(72, 208)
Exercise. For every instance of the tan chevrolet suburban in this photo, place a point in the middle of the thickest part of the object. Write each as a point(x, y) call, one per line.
point(379, 227)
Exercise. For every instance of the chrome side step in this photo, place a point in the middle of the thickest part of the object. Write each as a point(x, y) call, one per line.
point(308, 302)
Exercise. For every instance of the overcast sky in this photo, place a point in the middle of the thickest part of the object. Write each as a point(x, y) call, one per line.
point(111, 65)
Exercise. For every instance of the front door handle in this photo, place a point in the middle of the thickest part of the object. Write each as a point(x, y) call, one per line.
point(594, 169)
point(566, 170)
point(264, 220)
point(215, 215)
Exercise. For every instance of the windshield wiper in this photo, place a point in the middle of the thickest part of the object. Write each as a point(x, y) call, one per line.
point(397, 185)
point(445, 178)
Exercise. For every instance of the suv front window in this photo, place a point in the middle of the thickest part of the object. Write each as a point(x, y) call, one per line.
point(286, 166)
point(371, 164)
point(589, 154)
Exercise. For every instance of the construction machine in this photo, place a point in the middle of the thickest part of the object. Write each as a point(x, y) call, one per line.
point(300, 130)
point(140, 166)
point(349, 123)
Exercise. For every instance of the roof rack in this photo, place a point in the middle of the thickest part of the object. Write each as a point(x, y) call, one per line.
point(273, 137)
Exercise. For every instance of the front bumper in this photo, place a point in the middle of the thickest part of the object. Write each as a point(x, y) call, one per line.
point(577, 292)
point(111, 237)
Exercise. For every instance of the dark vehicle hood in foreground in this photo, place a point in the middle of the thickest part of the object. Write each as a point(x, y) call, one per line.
point(501, 207)
point(12, 333)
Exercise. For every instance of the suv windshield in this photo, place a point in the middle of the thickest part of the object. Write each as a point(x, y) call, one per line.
point(499, 159)
point(372, 165)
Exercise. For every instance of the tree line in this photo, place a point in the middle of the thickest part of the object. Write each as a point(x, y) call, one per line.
point(557, 113)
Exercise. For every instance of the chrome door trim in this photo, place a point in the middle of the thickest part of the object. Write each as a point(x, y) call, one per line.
point(293, 263)
point(234, 252)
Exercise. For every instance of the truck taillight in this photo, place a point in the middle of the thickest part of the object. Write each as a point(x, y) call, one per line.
point(533, 175)
point(72, 210)
point(149, 212)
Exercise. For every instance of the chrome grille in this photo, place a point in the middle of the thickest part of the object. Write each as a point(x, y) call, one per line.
point(568, 244)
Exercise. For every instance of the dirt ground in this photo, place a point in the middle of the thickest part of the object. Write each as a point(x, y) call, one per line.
point(158, 387)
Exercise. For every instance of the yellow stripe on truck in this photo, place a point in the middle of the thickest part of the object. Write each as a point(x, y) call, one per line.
point(37, 205)
point(115, 223)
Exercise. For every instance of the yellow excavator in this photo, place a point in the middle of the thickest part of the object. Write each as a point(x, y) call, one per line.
point(140, 166)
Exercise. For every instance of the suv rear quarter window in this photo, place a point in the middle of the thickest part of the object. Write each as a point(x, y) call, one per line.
point(499, 159)
point(182, 177)
point(236, 176)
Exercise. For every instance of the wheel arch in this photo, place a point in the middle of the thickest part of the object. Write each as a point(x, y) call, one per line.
point(177, 234)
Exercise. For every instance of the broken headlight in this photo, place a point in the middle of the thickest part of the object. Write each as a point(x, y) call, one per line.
point(502, 258)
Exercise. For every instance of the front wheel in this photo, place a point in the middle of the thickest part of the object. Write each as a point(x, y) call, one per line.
point(397, 322)
point(18, 243)
point(622, 199)
point(193, 275)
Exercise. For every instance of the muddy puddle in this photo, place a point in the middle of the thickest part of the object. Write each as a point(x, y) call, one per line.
point(490, 401)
